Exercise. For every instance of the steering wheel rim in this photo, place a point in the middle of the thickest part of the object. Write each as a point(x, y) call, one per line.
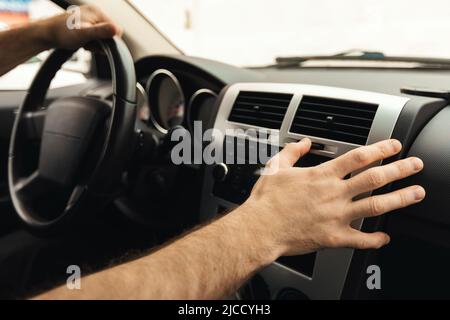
point(101, 185)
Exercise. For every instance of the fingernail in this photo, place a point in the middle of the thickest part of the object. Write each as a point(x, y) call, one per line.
point(396, 145)
point(417, 163)
point(388, 240)
point(305, 140)
point(419, 193)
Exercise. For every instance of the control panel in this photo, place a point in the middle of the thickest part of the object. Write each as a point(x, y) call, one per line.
point(336, 120)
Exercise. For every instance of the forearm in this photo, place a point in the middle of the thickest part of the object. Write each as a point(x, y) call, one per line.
point(19, 44)
point(210, 263)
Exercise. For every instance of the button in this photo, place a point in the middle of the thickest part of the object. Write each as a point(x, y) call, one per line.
point(317, 146)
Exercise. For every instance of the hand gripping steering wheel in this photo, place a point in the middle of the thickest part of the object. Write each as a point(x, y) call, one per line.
point(66, 160)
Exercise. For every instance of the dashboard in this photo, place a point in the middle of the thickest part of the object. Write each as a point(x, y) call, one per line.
point(339, 110)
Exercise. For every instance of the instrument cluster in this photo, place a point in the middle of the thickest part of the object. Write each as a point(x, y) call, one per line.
point(169, 104)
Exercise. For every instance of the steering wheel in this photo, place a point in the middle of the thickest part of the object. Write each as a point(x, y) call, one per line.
point(66, 160)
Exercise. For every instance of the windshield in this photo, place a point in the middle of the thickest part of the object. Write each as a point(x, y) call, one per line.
point(255, 32)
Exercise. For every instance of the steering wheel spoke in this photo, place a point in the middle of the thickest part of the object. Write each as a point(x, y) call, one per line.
point(34, 124)
point(32, 187)
point(75, 196)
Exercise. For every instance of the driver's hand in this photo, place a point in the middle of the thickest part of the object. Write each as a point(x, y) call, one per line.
point(307, 209)
point(63, 31)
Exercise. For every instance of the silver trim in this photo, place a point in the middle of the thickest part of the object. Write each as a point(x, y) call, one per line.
point(225, 170)
point(152, 77)
point(332, 265)
point(195, 96)
point(140, 89)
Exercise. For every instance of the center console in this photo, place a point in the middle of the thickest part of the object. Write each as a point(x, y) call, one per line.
point(261, 118)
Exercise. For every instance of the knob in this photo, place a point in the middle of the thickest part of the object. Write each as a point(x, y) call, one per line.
point(220, 172)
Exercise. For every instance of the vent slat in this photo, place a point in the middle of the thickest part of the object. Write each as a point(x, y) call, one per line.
point(334, 119)
point(262, 105)
point(262, 109)
point(324, 114)
point(259, 112)
point(270, 100)
point(337, 122)
point(337, 135)
point(337, 125)
point(253, 121)
point(315, 106)
point(335, 131)
point(341, 103)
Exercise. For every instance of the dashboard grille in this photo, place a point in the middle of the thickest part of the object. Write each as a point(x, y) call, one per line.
point(334, 119)
point(260, 109)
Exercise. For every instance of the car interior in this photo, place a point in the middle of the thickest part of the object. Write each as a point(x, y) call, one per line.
point(97, 187)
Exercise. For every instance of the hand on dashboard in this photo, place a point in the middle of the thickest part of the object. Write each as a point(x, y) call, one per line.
point(306, 209)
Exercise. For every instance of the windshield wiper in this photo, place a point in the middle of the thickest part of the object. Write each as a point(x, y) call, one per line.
point(345, 55)
point(364, 56)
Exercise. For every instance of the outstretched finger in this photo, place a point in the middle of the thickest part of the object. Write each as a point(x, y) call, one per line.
point(379, 205)
point(378, 177)
point(364, 156)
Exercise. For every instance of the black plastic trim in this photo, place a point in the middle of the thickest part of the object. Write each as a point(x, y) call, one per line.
point(415, 116)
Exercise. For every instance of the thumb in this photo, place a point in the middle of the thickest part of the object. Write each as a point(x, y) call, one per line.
point(99, 31)
point(289, 156)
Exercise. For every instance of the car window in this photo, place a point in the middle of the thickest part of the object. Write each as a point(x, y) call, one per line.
point(13, 12)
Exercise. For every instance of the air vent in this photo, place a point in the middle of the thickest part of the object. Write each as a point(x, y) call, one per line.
point(334, 119)
point(261, 109)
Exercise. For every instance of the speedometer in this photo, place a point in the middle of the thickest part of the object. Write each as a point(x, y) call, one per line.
point(201, 108)
point(166, 100)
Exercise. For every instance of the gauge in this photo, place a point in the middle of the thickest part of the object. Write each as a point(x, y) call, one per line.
point(201, 107)
point(166, 100)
